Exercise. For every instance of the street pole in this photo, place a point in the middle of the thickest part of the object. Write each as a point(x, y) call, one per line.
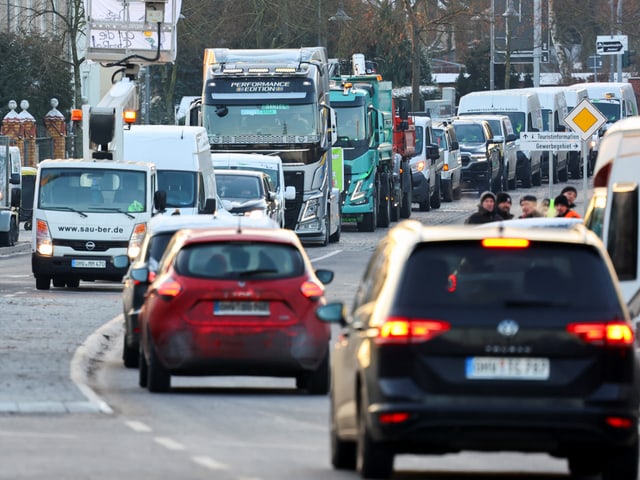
point(537, 41)
point(492, 46)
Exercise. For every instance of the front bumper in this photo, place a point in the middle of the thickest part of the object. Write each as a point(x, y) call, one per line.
point(62, 266)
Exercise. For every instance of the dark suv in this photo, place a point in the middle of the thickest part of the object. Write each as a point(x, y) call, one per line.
point(486, 339)
point(481, 158)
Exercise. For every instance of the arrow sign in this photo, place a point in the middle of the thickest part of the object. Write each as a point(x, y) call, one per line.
point(611, 44)
point(606, 47)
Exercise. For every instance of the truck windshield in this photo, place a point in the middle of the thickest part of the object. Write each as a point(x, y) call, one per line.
point(180, 187)
point(260, 120)
point(351, 122)
point(609, 108)
point(81, 189)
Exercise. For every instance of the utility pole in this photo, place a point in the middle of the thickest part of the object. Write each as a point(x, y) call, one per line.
point(537, 41)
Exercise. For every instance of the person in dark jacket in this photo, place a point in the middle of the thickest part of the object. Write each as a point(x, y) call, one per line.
point(571, 193)
point(561, 204)
point(529, 207)
point(486, 210)
point(503, 206)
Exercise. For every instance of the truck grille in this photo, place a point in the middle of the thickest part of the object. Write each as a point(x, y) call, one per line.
point(99, 245)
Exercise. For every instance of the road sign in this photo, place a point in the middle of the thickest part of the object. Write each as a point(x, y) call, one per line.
point(611, 44)
point(559, 141)
point(585, 119)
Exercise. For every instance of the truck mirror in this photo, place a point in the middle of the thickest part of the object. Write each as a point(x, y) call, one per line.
point(512, 137)
point(15, 179)
point(160, 200)
point(16, 196)
point(290, 193)
point(455, 145)
point(209, 206)
point(433, 152)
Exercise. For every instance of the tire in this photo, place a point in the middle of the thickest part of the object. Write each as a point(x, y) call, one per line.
point(407, 200)
point(315, 382)
point(424, 206)
point(527, 178)
point(584, 465)
point(13, 232)
point(73, 282)
point(536, 177)
point(130, 356)
point(327, 228)
point(496, 184)
point(373, 459)
point(505, 177)
point(59, 282)
point(435, 198)
point(343, 453)
point(143, 369)
point(370, 220)
point(485, 183)
point(512, 184)
point(335, 236)
point(28, 225)
point(447, 191)
point(5, 239)
point(621, 463)
point(159, 379)
point(563, 175)
point(43, 283)
point(384, 210)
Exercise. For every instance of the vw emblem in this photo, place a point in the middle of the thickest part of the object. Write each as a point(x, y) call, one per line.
point(89, 245)
point(508, 328)
point(242, 283)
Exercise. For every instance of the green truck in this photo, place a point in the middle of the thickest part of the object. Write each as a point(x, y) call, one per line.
point(375, 184)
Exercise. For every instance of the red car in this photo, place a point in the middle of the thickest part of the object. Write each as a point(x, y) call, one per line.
point(235, 301)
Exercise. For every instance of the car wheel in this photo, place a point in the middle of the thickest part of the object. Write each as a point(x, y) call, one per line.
point(59, 282)
point(143, 370)
point(373, 459)
point(72, 282)
point(584, 465)
point(447, 191)
point(505, 178)
point(315, 382)
point(43, 283)
point(130, 356)
point(435, 198)
point(563, 174)
point(407, 200)
point(13, 234)
point(621, 463)
point(343, 453)
point(159, 379)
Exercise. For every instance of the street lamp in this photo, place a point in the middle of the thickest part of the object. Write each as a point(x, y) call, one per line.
point(510, 12)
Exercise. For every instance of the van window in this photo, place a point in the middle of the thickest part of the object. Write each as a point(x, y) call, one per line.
point(622, 241)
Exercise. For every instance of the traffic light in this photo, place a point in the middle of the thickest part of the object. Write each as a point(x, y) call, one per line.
point(628, 57)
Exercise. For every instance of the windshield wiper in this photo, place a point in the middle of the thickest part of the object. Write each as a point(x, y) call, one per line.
point(111, 209)
point(69, 209)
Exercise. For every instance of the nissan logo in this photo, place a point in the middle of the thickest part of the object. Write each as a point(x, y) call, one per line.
point(508, 328)
point(89, 245)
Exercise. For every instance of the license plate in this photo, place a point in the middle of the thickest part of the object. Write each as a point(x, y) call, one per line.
point(88, 263)
point(241, 308)
point(507, 368)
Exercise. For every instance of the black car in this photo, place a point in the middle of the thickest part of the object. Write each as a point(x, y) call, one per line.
point(486, 339)
point(481, 158)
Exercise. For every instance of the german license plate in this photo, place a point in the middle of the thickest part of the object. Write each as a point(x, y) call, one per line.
point(241, 308)
point(507, 368)
point(75, 263)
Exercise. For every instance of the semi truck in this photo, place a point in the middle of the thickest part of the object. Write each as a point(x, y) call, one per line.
point(276, 102)
point(377, 178)
point(10, 192)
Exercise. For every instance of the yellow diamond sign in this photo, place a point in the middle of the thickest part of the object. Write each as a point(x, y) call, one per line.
point(585, 119)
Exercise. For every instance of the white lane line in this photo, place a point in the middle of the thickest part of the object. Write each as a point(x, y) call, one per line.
point(210, 463)
point(60, 436)
point(138, 426)
point(323, 257)
point(169, 443)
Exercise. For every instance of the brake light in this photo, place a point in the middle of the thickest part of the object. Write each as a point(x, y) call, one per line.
point(393, 417)
point(619, 422)
point(406, 330)
point(169, 288)
point(311, 290)
point(610, 334)
point(505, 243)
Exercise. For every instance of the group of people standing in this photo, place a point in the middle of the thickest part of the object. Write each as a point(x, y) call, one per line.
point(497, 207)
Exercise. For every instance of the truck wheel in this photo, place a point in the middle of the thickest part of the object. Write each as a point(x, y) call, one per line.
point(43, 283)
point(384, 212)
point(73, 282)
point(407, 200)
point(370, 220)
point(537, 176)
point(505, 178)
point(59, 282)
point(447, 190)
point(563, 175)
point(435, 198)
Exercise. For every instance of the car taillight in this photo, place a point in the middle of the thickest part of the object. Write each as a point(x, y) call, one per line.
point(609, 333)
point(409, 330)
point(505, 243)
point(311, 290)
point(169, 288)
point(393, 417)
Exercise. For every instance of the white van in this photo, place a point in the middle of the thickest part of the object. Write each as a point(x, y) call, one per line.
point(182, 157)
point(523, 109)
point(573, 95)
point(614, 209)
point(270, 164)
point(554, 111)
point(426, 172)
point(616, 100)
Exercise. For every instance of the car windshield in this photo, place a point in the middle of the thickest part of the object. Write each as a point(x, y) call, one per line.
point(469, 133)
point(468, 274)
point(234, 260)
point(238, 186)
point(439, 138)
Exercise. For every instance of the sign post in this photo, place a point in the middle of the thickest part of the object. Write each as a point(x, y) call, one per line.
point(585, 119)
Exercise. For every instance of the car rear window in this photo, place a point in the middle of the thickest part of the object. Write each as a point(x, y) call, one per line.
point(543, 274)
point(232, 260)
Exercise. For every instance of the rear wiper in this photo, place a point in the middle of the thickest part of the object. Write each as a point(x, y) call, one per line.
point(111, 209)
point(69, 209)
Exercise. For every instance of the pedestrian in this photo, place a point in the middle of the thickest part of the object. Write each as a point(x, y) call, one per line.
point(503, 206)
point(529, 207)
point(571, 193)
point(561, 204)
point(486, 210)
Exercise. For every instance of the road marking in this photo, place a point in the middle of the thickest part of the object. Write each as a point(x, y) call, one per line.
point(210, 463)
point(324, 257)
point(169, 443)
point(138, 426)
point(8, 433)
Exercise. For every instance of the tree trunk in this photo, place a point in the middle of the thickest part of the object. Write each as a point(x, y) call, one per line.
point(564, 63)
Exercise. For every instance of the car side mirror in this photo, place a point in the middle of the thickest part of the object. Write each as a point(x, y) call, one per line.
point(325, 276)
point(512, 137)
point(455, 145)
point(209, 206)
point(498, 139)
point(331, 313)
point(290, 193)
